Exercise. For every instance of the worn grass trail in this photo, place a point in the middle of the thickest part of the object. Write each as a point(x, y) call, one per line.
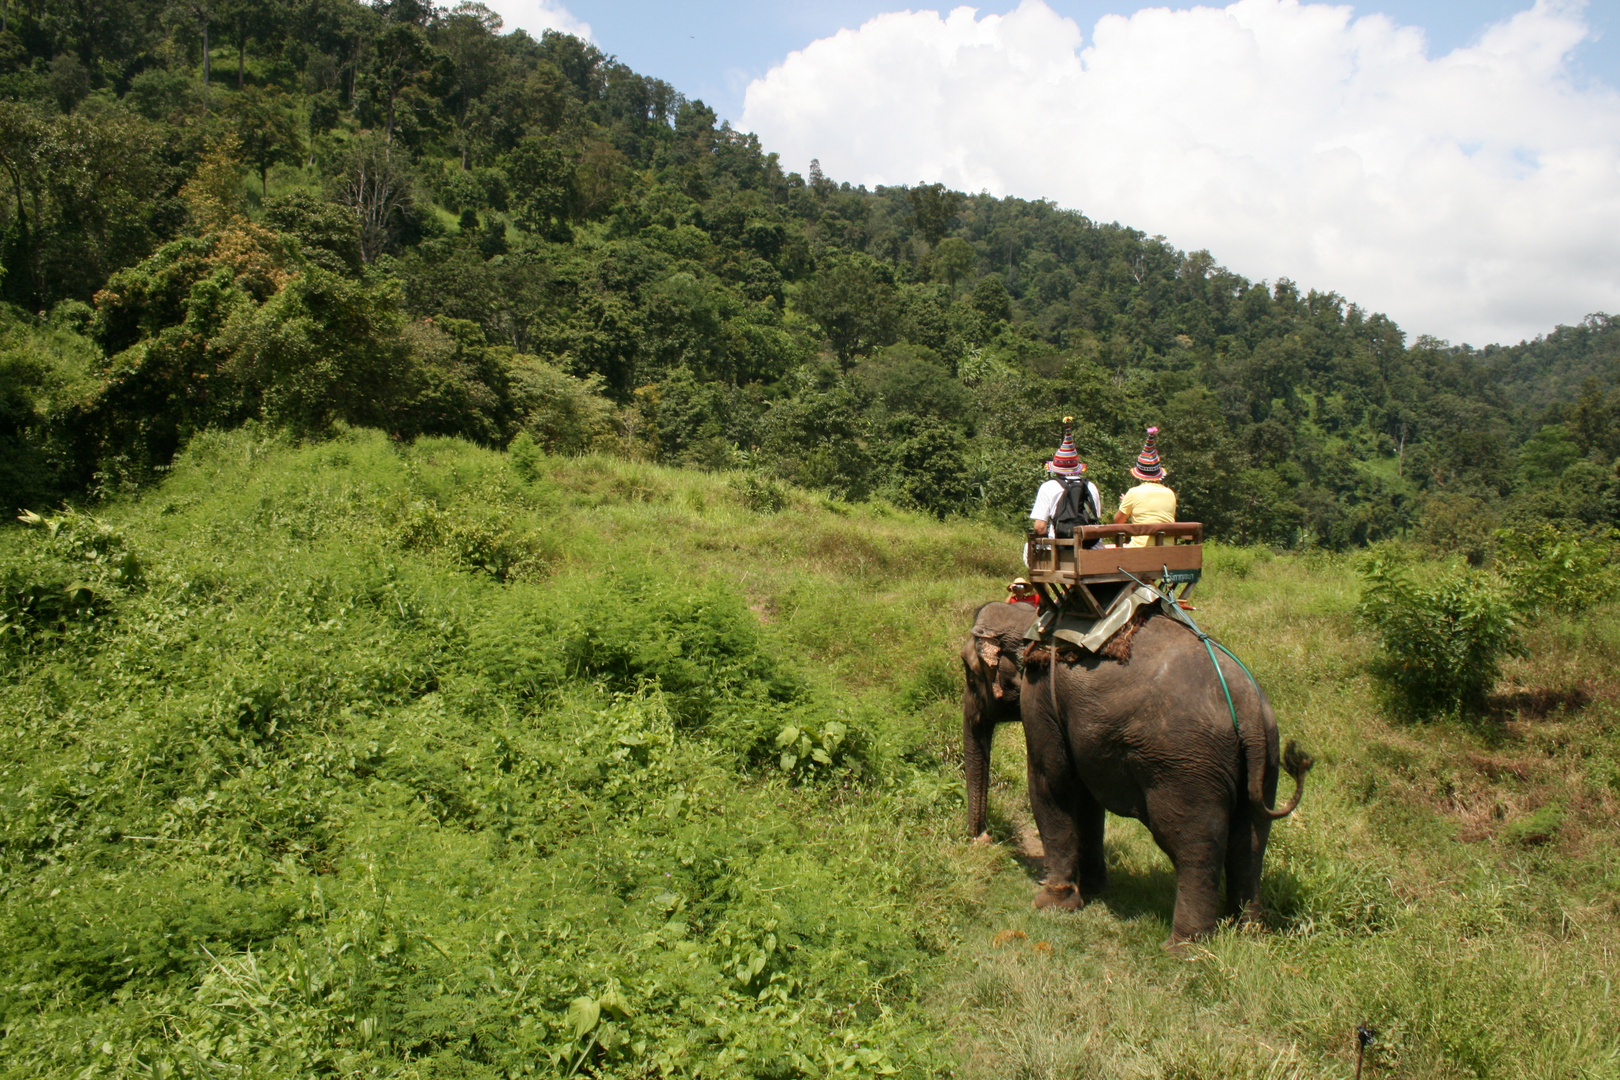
point(355, 759)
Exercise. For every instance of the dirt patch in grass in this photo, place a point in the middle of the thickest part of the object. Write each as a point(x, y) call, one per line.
point(1498, 768)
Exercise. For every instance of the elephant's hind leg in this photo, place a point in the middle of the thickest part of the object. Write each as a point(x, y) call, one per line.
point(1198, 892)
point(1086, 819)
point(1245, 852)
point(1090, 820)
point(1195, 838)
point(1054, 803)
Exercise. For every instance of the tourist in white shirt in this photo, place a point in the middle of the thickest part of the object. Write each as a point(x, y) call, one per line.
point(1064, 466)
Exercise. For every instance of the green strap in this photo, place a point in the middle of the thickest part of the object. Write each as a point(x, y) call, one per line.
point(1174, 610)
point(1224, 688)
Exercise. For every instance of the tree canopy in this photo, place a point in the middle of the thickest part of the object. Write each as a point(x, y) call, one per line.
point(397, 215)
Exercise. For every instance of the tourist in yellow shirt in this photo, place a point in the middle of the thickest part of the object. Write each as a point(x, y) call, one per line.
point(1150, 502)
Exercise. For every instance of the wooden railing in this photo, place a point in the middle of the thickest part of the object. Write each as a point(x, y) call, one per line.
point(1176, 546)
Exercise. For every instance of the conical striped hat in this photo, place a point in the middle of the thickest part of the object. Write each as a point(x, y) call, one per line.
point(1066, 462)
point(1147, 465)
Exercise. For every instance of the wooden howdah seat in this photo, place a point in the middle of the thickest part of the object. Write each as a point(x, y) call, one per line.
point(1064, 571)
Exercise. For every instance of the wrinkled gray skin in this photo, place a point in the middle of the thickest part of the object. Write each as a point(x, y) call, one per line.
point(1152, 739)
point(989, 695)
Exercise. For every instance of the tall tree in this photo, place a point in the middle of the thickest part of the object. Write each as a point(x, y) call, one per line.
point(545, 186)
point(468, 38)
point(933, 206)
point(249, 20)
point(21, 133)
point(401, 58)
point(264, 124)
point(376, 185)
point(953, 259)
point(855, 304)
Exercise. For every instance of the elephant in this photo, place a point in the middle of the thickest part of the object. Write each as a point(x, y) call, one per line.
point(1153, 738)
point(989, 695)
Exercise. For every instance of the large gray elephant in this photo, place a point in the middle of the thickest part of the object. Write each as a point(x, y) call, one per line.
point(989, 695)
point(1152, 738)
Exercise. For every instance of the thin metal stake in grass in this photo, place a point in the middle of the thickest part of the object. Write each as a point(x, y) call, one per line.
point(1364, 1037)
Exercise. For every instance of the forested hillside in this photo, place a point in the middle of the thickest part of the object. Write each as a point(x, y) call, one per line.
point(320, 213)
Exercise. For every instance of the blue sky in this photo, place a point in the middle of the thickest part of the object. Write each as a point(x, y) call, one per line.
point(712, 49)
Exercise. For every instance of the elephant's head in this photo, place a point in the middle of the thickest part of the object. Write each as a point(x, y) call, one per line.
point(989, 695)
point(991, 661)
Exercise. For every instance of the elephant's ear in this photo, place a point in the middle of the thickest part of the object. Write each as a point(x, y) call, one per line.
point(989, 650)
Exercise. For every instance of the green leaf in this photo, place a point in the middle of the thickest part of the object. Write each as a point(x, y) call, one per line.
point(614, 1004)
point(787, 737)
point(583, 1013)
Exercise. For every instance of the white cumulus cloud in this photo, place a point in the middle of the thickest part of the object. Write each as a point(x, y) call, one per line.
point(1474, 196)
point(538, 16)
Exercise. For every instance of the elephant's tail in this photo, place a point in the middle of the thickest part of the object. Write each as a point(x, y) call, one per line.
point(1296, 763)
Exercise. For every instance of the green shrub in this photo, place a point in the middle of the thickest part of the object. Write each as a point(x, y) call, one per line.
point(478, 538)
point(525, 456)
point(1443, 636)
point(1232, 561)
point(562, 414)
point(759, 493)
point(808, 752)
point(68, 582)
point(1536, 828)
point(699, 645)
point(1455, 522)
point(1550, 571)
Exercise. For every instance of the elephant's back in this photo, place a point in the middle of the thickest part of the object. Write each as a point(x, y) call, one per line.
point(1171, 678)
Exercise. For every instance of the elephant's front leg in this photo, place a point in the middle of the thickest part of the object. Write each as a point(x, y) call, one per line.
point(1069, 819)
point(978, 730)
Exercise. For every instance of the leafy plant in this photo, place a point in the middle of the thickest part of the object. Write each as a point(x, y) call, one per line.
point(1550, 570)
point(760, 493)
point(525, 456)
point(69, 582)
point(1443, 637)
point(805, 752)
point(478, 540)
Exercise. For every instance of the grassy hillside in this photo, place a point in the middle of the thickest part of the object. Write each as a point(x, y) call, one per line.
point(371, 759)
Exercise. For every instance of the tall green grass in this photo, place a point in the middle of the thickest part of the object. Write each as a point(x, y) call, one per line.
point(362, 759)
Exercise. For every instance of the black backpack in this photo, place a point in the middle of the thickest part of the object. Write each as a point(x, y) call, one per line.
point(1073, 509)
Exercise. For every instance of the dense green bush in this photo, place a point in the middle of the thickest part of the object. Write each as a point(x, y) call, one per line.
point(296, 782)
point(66, 585)
point(1555, 571)
point(1443, 633)
point(45, 366)
point(698, 647)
